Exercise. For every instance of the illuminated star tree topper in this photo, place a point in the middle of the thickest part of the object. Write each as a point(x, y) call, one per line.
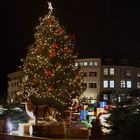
point(50, 6)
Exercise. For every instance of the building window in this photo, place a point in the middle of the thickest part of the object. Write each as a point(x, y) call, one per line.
point(76, 64)
point(111, 84)
point(105, 71)
point(129, 84)
point(109, 71)
point(95, 63)
point(112, 71)
point(126, 84)
point(85, 85)
point(108, 84)
point(83, 74)
point(81, 63)
point(85, 63)
point(92, 74)
point(105, 97)
point(92, 63)
point(123, 84)
point(113, 97)
point(92, 85)
point(105, 84)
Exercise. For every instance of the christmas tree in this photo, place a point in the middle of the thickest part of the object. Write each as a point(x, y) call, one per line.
point(49, 75)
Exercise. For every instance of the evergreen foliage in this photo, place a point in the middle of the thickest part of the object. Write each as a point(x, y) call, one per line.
point(49, 67)
point(124, 120)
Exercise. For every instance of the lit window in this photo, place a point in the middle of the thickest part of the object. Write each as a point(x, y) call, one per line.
point(129, 84)
point(123, 84)
point(81, 63)
point(90, 64)
point(105, 71)
point(105, 96)
point(112, 71)
point(76, 64)
point(85, 63)
point(112, 84)
point(105, 84)
point(138, 84)
point(95, 63)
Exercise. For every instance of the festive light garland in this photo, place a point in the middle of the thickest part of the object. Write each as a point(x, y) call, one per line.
point(50, 61)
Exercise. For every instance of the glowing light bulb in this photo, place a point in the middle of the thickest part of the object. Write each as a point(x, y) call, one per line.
point(31, 130)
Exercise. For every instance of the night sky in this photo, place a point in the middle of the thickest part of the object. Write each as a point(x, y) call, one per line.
point(102, 27)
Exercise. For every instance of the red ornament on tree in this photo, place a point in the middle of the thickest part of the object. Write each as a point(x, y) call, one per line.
point(51, 21)
point(48, 73)
point(66, 50)
point(75, 104)
point(60, 30)
point(55, 46)
point(39, 49)
point(52, 53)
point(36, 79)
point(50, 88)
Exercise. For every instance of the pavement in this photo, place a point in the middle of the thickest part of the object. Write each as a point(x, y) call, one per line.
point(4, 136)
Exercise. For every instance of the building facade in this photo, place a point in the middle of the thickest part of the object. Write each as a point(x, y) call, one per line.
point(90, 72)
point(13, 80)
point(103, 79)
point(119, 79)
